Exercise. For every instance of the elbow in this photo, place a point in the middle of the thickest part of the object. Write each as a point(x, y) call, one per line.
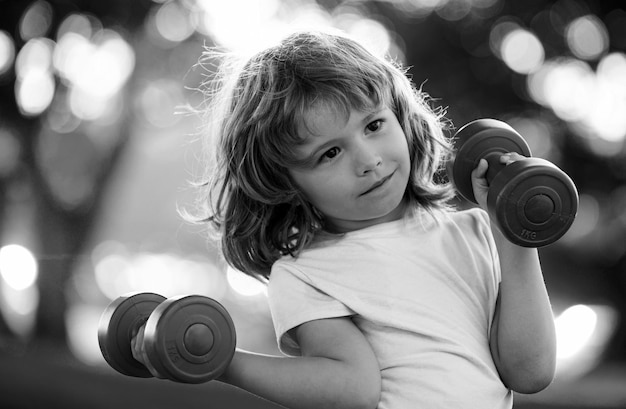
point(361, 393)
point(354, 400)
point(531, 385)
point(363, 398)
point(365, 401)
point(527, 381)
point(370, 400)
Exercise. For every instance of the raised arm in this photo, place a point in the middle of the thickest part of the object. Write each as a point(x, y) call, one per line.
point(523, 339)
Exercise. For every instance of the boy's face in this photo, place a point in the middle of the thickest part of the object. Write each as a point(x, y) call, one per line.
point(358, 169)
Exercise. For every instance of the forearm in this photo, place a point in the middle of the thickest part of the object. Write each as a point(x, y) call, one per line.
point(303, 382)
point(525, 340)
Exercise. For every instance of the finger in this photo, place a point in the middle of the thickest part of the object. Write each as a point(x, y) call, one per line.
point(481, 169)
point(136, 344)
point(510, 157)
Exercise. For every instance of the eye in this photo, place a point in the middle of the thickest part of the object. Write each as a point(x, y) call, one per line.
point(330, 154)
point(375, 125)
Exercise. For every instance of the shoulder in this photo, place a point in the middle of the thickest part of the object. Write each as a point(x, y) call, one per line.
point(289, 274)
point(286, 273)
point(471, 226)
point(475, 219)
point(474, 216)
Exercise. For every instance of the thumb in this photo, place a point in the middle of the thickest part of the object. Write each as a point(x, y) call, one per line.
point(480, 184)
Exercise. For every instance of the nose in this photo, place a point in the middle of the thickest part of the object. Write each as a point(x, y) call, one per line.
point(367, 158)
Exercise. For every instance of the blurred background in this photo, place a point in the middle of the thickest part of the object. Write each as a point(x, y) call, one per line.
point(98, 149)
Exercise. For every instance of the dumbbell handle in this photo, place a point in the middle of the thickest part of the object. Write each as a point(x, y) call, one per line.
point(482, 138)
point(495, 166)
point(119, 322)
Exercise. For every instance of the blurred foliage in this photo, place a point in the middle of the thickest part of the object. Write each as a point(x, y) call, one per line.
point(53, 178)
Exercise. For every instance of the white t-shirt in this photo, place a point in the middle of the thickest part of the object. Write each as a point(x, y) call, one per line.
point(423, 292)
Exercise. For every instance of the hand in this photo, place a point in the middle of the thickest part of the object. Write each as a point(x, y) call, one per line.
point(479, 181)
point(139, 351)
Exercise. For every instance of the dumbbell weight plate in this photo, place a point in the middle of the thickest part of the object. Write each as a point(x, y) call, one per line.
point(476, 140)
point(533, 202)
point(190, 339)
point(118, 324)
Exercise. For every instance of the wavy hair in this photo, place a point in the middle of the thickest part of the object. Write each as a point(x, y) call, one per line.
point(255, 108)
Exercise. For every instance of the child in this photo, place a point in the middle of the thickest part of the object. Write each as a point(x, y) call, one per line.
point(328, 187)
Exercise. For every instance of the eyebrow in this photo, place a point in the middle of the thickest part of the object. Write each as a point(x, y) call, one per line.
point(311, 159)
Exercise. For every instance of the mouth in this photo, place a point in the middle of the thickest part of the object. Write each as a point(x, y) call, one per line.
point(377, 185)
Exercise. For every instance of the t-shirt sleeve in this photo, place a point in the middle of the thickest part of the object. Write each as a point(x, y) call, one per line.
point(294, 300)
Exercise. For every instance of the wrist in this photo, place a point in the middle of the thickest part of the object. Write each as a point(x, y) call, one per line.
point(227, 375)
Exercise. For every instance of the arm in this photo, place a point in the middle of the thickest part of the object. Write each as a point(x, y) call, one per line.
point(523, 339)
point(337, 369)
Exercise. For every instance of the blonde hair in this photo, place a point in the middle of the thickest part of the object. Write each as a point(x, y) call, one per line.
point(253, 204)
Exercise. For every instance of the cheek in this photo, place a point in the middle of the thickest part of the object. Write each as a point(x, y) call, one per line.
point(322, 191)
point(404, 152)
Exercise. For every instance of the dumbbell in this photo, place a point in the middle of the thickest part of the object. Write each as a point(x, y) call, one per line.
point(189, 339)
point(532, 201)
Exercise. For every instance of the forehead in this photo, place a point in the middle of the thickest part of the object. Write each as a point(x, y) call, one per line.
point(321, 119)
point(325, 119)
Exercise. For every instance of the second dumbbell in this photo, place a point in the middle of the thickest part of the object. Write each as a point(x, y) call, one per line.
point(532, 201)
point(188, 339)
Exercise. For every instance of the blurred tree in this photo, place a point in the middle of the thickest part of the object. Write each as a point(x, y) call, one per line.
point(452, 55)
point(61, 229)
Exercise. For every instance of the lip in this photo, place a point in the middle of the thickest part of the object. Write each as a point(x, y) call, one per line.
point(377, 185)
